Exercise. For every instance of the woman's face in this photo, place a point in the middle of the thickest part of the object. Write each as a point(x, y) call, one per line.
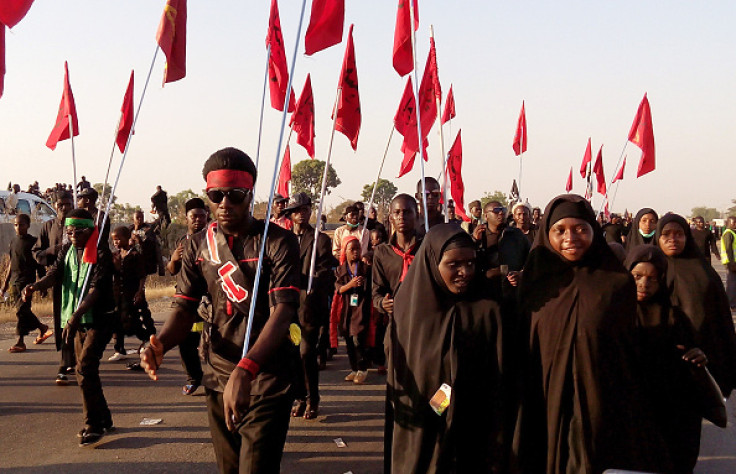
point(647, 280)
point(672, 240)
point(457, 269)
point(571, 237)
point(648, 223)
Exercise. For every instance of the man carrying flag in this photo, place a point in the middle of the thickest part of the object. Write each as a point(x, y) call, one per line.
point(248, 398)
point(88, 323)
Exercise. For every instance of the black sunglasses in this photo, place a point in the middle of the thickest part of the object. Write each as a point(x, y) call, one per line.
point(497, 210)
point(235, 196)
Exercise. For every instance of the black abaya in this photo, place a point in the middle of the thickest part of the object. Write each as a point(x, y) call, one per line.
point(634, 236)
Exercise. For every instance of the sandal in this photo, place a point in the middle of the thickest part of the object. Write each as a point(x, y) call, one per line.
point(311, 411)
point(189, 389)
point(17, 348)
point(297, 409)
point(46, 335)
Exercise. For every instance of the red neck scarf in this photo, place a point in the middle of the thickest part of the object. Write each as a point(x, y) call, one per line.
point(406, 257)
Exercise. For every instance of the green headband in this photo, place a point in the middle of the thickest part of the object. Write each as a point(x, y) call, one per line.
point(77, 222)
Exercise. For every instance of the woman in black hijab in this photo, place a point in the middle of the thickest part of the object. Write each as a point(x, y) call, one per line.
point(581, 410)
point(697, 289)
point(642, 229)
point(666, 341)
point(447, 331)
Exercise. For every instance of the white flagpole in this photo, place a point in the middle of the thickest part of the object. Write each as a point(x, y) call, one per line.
point(375, 185)
point(322, 193)
point(420, 138)
point(109, 164)
point(442, 143)
point(257, 279)
point(260, 122)
point(621, 157)
point(74, 159)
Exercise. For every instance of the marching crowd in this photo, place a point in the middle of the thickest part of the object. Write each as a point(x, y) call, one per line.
point(520, 341)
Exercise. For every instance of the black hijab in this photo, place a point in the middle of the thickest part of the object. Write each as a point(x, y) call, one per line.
point(698, 290)
point(437, 338)
point(635, 238)
point(581, 408)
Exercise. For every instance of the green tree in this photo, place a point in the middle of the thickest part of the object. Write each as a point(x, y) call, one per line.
point(708, 213)
point(732, 210)
point(176, 205)
point(385, 191)
point(306, 177)
point(102, 203)
point(497, 196)
point(122, 213)
point(335, 213)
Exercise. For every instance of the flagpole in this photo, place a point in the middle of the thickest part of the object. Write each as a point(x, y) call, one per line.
point(120, 171)
point(420, 138)
point(322, 194)
point(442, 142)
point(375, 185)
point(257, 279)
point(74, 159)
point(109, 162)
point(621, 157)
point(260, 122)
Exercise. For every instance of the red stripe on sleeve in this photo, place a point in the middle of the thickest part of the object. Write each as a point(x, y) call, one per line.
point(284, 288)
point(188, 298)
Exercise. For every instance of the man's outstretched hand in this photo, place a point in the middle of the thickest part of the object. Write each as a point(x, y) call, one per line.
point(236, 397)
point(152, 356)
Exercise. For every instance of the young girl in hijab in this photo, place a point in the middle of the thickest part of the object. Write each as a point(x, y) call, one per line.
point(581, 411)
point(444, 374)
point(696, 288)
point(351, 306)
point(643, 228)
point(666, 344)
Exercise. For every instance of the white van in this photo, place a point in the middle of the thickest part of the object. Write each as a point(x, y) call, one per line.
point(35, 206)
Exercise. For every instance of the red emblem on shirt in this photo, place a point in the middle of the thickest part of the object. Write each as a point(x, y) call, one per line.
point(233, 291)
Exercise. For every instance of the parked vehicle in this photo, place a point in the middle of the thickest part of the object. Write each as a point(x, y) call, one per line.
point(31, 204)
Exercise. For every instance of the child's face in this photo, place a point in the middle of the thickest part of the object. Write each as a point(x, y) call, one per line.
point(21, 226)
point(352, 251)
point(647, 280)
point(120, 242)
point(376, 239)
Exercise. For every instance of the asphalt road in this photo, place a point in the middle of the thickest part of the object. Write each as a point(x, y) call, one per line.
point(39, 422)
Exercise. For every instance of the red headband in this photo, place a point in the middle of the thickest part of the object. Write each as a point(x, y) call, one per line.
point(229, 179)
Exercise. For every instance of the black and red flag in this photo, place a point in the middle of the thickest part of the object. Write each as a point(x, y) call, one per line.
point(302, 120)
point(172, 38)
point(278, 71)
point(285, 174)
point(454, 174)
point(348, 107)
point(449, 112)
point(402, 57)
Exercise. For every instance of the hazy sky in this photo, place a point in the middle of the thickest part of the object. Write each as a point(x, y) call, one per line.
point(581, 67)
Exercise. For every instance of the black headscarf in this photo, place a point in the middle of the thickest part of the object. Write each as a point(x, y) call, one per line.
point(635, 238)
point(439, 337)
point(698, 290)
point(581, 408)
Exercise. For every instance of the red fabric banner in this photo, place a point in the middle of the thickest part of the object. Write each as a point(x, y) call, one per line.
point(598, 170)
point(403, 59)
point(285, 174)
point(454, 174)
point(434, 70)
point(13, 11)
point(172, 38)
point(278, 71)
point(406, 111)
point(427, 108)
point(325, 25)
point(520, 136)
point(66, 109)
point(348, 107)
point(302, 120)
point(642, 135)
point(126, 120)
point(568, 186)
point(2, 59)
point(620, 175)
point(449, 112)
point(587, 158)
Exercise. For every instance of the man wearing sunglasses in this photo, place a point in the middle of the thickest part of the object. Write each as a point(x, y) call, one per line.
point(434, 208)
point(502, 250)
point(248, 398)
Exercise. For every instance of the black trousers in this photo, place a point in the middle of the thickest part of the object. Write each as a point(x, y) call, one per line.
point(356, 350)
point(258, 443)
point(89, 345)
point(308, 352)
point(731, 288)
point(189, 352)
point(27, 320)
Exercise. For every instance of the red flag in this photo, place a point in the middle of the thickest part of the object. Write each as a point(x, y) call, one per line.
point(403, 58)
point(348, 108)
point(620, 175)
point(13, 11)
point(606, 212)
point(434, 70)
point(66, 109)
point(302, 120)
point(325, 25)
point(285, 174)
point(568, 186)
point(642, 135)
point(598, 170)
point(454, 174)
point(278, 71)
point(126, 120)
point(406, 111)
point(172, 38)
point(427, 107)
point(449, 112)
point(520, 136)
point(408, 161)
point(2, 59)
point(587, 158)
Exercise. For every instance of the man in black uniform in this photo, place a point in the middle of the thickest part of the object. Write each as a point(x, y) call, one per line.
point(49, 243)
point(705, 239)
point(248, 398)
point(502, 250)
point(160, 205)
point(313, 309)
point(434, 194)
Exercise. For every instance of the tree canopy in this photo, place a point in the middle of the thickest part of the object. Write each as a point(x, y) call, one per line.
point(708, 213)
point(385, 191)
point(306, 177)
point(497, 196)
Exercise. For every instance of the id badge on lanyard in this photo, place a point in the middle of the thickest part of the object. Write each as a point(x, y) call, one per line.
point(354, 299)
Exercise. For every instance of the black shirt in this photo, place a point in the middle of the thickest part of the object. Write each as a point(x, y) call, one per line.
point(22, 263)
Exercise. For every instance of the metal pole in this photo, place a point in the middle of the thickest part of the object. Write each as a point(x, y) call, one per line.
point(621, 157)
point(74, 160)
point(442, 145)
point(109, 163)
point(260, 122)
point(375, 185)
